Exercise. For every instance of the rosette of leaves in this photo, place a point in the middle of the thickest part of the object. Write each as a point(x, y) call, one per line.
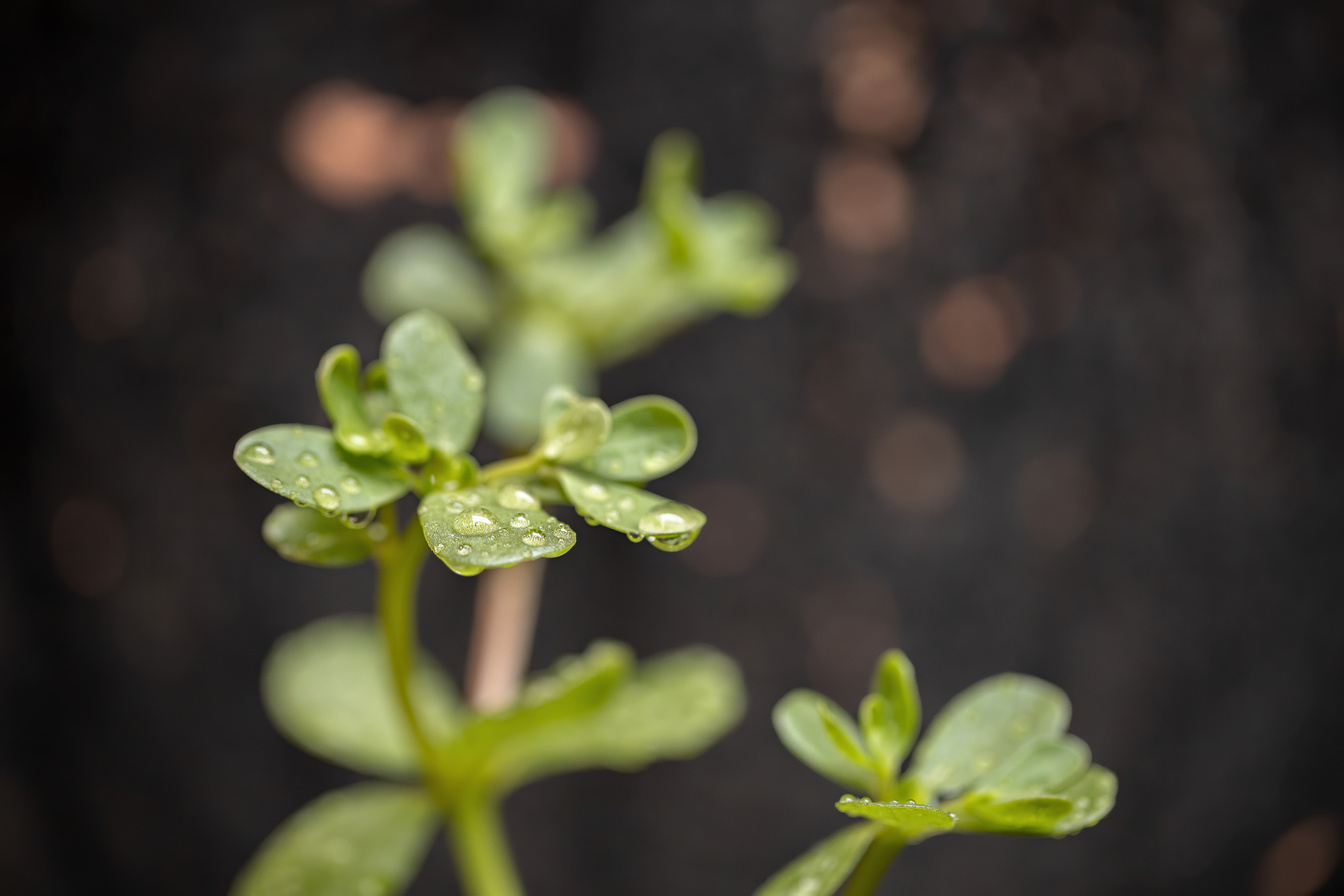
point(328, 688)
point(997, 760)
point(550, 302)
point(406, 422)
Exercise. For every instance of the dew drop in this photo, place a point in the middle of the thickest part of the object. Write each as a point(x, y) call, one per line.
point(590, 520)
point(515, 497)
point(307, 459)
point(326, 497)
point(519, 521)
point(627, 503)
point(534, 537)
point(655, 461)
point(634, 536)
point(473, 380)
point(472, 498)
point(438, 547)
point(357, 441)
point(276, 485)
point(597, 491)
point(351, 486)
point(302, 481)
point(259, 453)
point(463, 550)
point(296, 430)
point(475, 522)
point(611, 516)
point(456, 506)
point(666, 519)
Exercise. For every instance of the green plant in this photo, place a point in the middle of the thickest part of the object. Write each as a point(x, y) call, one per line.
point(547, 300)
point(360, 692)
point(996, 760)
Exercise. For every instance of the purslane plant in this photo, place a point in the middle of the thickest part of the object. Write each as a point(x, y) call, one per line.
point(546, 299)
point(361, 693)
point(997, 760)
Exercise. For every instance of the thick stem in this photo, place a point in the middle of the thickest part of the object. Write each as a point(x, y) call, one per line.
point(876, 858)
point(398, 585)
point(501, 636)
point(476, 833)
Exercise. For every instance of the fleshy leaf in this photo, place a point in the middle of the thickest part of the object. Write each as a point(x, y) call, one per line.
point(408, 442)
point(1028, 816)
point(667, 525)
point(370, 838)
point(573, 427)
point(304, 464)
point(302, 535)
point(824, 868)
point(1092, 796)
point(840, 729)
point(1052, 766)
point(798, 719)
point(671, 177)
point(425, 267)
point(990, 724)
point(490, 525)
point(434, 380)
point(528, 356)
point(650, 437)
point(894, 679)
point(877, 721)
point(673, 706)
point(338, 387)
point(736, 263)
point(915, 822)
point(328, 688)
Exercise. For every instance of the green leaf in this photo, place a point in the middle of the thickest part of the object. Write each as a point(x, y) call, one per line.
point(573, 427)
point(328, 688)
point(824, 868)
point(1051, 766)
point(408, 442)
point(487, 526)
point(737, 266)
point(840, 729)
point(1092, 796)
point(338, 387)
point(894, 679)
point(674, 706)
point(434, 380)
point(650, 437)
point(1027, 816)
point(450, 473)
point(530, 354)
point(990, 724)
point(668, 525)
point(799, 722)
point(915, 822)
point(877, 721)
point(302, 535)
point(671, 177)
point(370, 838)
point(304, 464)
point(425, 267)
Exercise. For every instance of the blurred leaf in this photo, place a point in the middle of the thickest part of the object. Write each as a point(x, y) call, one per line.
point(799, 722)
point(490, 525)
point(367, 839)
point(988, 725)
point(915, 822)
point(425, 267)
point(1027, 816)
point(572, 426)
point(840, 729)
point(328, 688)
point(650, 437)
point(1051, 766)
point(824, 868)
point(338, 387)
point(1092, 796)
point(737, 266)
point(529, 355)
point(671, 180)
point(302, 535)
point(668, 525)
point(304, 464)
point(894, 679)
point(877, 721)
point(434, 380)
point(673, 706)
point(408, 442)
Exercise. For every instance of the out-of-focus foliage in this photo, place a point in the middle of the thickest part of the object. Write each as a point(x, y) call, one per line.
point(548, 300)
point(997, 759)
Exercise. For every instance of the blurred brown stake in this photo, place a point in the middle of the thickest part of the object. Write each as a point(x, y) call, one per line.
point(1302, 859)
point(501, 636)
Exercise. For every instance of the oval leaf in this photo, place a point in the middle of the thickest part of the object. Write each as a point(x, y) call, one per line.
point(528, 356)
point(408, 442)
point(915, 822)
point(1051, 767)
point(573, 427)
point(425, 267)
point(338, 388)
point(668, 525)
point(304, 464)
point(1092, 796)
point(302, 535)
point(799, 722)
point(877, 721)
point(824, 868)
point(894, 679)
point(488, 526)
point(328, 688)
point(988, 725)
point(434, 380)
point(370, 838)
point(1028, 816)
point(650, 437)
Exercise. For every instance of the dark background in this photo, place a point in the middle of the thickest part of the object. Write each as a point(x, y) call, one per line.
point(1193, 612)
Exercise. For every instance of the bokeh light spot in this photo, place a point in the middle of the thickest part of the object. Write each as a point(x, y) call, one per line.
point(917, 464)
point(1302, 859)
point(864, 201)
point(972, 331)
point(1055, 496)
point(849, 387)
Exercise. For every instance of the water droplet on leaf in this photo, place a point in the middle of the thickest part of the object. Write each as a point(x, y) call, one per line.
point(351, 486)
point(666, 518)
point(475, 522)
point(276, 485)
point(307, 459)
point(515, 497)
point(519, 521)
point(463, 549)
point(259, 453)
point(534, 537)
point(634, 536)
point(597, 491)
point(473, 380)
point(326, 497)
point(302, 481)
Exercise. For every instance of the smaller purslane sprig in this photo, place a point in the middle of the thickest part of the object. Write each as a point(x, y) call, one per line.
point(997, 760)
point(406, 422)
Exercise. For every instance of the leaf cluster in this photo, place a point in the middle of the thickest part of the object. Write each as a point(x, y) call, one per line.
point(329, 688)
point(997, 759)
point(547, 297)
point(405, 423)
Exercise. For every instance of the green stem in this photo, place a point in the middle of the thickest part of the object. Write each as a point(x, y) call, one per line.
point(868, 873)
point(476, 833)
point(510, 466)
point(398, 584)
